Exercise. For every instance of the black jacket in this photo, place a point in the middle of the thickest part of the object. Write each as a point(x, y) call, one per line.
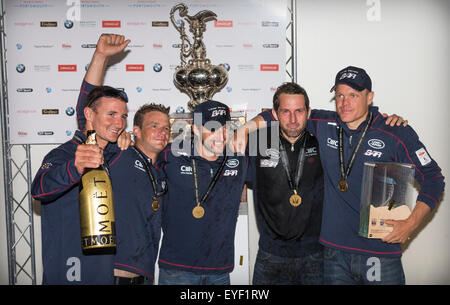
point(286, 230)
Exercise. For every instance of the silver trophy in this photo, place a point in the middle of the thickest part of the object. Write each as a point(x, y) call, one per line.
point(196, 76)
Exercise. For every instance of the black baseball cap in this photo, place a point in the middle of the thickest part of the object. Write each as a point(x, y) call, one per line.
point(354, 77)
point(212, 111)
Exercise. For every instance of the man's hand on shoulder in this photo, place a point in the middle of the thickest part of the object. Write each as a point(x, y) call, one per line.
point(395, 120)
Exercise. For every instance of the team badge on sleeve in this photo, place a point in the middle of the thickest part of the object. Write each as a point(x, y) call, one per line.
point(423, 156)
point(46, 165)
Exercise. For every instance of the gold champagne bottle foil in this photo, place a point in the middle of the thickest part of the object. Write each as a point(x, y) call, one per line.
point(91, 139)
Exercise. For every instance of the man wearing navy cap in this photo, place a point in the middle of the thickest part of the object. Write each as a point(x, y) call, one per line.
point(210, 127)
point(344, 140)
point(200, 214)
point(358, 85)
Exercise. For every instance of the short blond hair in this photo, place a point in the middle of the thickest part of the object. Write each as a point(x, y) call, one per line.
point(144, 109)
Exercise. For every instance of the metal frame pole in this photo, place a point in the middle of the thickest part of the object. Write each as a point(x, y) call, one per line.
point(25, 237)
point(291, 38)
point(294, 39)
point(6, 147)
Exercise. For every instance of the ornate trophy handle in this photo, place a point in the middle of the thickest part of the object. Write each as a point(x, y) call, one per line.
point(184, 52)
point(183, 11)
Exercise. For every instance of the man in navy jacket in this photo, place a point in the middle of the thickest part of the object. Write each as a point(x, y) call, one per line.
point(56, 186)
point(139, 185)
point(137, 177)
point(199, 218)
point(340, 221)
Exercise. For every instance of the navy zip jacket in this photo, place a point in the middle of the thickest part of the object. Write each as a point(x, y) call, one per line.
point(56, 186)
point(138, 226)
point(205, 245)
point(340, 221)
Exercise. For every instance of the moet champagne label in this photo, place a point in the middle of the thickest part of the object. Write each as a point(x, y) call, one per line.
point(97, 211)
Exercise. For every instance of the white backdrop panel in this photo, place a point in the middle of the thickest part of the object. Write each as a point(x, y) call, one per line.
point(249, 35)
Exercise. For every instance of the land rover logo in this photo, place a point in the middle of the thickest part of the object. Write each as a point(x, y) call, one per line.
point(376, 144)
point(232, 163)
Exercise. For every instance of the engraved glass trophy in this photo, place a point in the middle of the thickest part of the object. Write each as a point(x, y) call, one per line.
point(387, 194)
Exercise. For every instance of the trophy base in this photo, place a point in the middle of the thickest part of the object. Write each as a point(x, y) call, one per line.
point(373, 224)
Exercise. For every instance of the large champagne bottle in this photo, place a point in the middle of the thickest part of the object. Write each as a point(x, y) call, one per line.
point(98, 233)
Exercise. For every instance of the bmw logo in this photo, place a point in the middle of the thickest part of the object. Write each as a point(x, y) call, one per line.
point(68, 24)
point(139, 89)
point(20, 68)
point(70, 111)
point(48, 89)
point(68, 133)
point(19, 46)
point(157, 68)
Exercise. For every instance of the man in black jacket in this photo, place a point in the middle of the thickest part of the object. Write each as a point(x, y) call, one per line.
point(288, 194)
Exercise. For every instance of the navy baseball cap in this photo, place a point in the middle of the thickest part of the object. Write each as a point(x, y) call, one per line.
point(212, 111)
point(354, 77)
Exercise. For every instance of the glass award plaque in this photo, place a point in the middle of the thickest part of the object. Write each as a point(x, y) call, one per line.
point(387, 194)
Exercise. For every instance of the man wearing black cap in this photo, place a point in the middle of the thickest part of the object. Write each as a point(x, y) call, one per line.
point(204, 191)
point(345, 142)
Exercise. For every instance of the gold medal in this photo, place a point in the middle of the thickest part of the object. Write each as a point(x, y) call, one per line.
point(155, 205)
point(198, 212)
point(342, 185)
point(295, 200)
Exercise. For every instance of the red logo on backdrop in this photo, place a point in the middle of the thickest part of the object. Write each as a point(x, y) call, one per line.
point(223, 23)
point(111, 23)
point(135, 68)
point(67, 68)
point(267, 67)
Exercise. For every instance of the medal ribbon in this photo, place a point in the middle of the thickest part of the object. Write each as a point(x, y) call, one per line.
point(346, 172)
point(212, 183)
point(300, 162)
point(150, 174)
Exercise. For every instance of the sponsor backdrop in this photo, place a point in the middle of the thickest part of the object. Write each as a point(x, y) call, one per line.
point(50, 44)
